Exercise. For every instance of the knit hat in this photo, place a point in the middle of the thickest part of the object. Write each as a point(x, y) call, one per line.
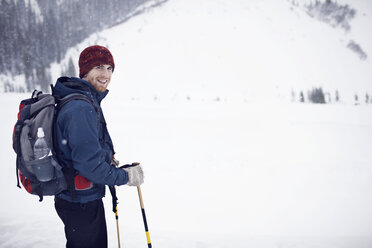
point(93, 56)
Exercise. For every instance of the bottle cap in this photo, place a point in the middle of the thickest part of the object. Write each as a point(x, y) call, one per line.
point(40, 132)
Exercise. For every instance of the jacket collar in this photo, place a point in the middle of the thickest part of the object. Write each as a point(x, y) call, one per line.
point(65, 86)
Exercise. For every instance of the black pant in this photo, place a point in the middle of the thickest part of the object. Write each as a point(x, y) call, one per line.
point(85, 224)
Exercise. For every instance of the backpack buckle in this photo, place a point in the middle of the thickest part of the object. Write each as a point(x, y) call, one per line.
point(35, 94)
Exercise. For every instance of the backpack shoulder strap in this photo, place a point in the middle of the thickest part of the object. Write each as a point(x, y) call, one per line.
point(74, 96)
point(78, 96)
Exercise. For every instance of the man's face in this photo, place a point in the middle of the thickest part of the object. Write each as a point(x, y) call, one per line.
point(99, 77)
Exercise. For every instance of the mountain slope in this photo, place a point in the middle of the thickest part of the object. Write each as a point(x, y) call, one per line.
point(242, 50)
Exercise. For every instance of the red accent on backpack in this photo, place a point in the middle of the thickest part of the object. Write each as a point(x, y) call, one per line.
point(82, 183)
point(25, 182)
point(20, 108)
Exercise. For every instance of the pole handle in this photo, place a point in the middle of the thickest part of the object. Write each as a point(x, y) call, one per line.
point(129, 165)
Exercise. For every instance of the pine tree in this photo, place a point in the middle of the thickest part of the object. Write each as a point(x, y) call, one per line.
point(337, 97)
point(70, 71)
point(302, 97)
point(317, 95)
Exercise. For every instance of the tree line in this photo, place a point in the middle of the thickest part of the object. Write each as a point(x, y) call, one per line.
point(36, 33)
point(318, 95)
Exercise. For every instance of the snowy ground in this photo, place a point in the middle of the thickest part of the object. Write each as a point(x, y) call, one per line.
point(220, 174)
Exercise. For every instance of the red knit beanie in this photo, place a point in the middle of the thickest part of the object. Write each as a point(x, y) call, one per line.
point(93, 56)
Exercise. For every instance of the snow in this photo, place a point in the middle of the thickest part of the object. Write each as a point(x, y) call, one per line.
point(36, 9)
point(221, 175)
point(12, 83)
point(249, 170)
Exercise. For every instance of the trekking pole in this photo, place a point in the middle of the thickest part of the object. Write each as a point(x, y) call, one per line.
point(142, 206)
point(115, 210)
point(144, 216)
point(117, 225)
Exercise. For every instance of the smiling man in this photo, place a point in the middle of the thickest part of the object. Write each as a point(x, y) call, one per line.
point(86, 151)
point(99, 77)
point(96, 66)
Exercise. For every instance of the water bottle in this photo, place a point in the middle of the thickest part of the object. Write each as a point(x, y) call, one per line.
point(41, 149)
point(42, 167)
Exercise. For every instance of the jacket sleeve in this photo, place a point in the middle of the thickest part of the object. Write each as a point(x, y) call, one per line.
point(88, 157)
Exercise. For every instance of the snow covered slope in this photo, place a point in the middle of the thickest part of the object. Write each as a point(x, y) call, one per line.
point(241, 50)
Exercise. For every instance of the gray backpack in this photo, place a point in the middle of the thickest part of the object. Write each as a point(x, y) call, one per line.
point(37, 164)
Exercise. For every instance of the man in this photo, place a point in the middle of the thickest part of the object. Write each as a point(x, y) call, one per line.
point(86, 150)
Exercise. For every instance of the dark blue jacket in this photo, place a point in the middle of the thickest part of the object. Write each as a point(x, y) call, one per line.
point(81, 144)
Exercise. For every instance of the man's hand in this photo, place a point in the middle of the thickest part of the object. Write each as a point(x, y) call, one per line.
point(135, 174)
